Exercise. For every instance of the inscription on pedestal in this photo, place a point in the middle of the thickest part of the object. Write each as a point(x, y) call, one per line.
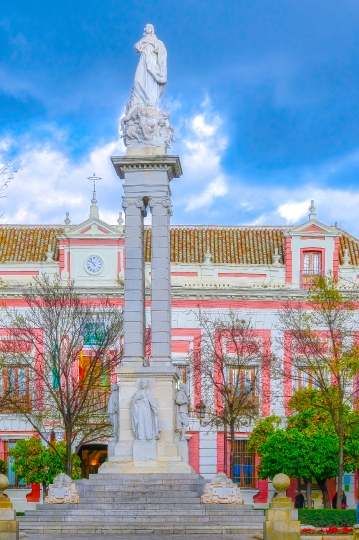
point(145, 451)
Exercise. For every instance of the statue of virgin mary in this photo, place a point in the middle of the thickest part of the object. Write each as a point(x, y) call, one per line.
point(151, 73)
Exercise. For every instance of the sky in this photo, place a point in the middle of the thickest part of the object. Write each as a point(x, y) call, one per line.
point(264, 100)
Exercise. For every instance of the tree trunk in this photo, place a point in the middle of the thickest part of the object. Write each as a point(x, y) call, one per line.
point(326, 498)
point(225, 456)
point(341, 463)
point(68, 457)
point(43, 492)
point(232, 453)
point(308, 489)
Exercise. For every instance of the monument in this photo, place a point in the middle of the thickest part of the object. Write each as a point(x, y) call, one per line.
point(149, 429)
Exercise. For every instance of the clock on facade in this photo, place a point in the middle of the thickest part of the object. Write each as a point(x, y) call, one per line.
point(93, 264)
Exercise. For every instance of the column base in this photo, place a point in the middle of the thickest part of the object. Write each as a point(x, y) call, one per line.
point(146, 467)
point(165, 455)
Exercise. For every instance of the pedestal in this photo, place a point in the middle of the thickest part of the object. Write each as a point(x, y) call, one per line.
point(9, 527)
point(166, 455)
point(281, 521)
point(144, 451)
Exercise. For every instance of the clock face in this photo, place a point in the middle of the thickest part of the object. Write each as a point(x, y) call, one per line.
point(94, 264)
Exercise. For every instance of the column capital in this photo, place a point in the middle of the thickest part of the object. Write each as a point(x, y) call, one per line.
point(127, 164)
point(161, 201)
point(130, 201)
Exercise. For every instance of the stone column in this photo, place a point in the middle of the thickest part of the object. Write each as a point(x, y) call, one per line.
point(134, 294)
point(161, 209)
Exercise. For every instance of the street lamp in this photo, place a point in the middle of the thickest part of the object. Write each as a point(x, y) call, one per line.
point(201, 411)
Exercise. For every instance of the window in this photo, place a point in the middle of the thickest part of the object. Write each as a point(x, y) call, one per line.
point(183, 373)
point(243, 381)
point(304, 380)
point(13, 480)
point(15, 381)
point(243, 465)
point(312, 263)
point(100, 380)
point(312, 267)
point(94, 333)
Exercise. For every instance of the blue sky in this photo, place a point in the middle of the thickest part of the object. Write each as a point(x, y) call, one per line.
point(264, 98)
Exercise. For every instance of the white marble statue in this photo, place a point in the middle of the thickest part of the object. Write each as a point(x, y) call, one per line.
point(182, 401)
point(113, 411)
point(145, 421)
point(144, 124)
point(151, 73)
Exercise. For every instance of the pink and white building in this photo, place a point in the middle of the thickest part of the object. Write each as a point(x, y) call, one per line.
point(248, 268)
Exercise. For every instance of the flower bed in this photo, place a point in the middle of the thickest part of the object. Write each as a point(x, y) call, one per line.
point(326, 531)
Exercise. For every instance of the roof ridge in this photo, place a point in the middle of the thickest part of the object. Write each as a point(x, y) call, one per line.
point(32, 226)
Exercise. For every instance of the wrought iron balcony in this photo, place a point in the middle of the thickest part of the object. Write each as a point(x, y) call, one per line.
point(308, 277)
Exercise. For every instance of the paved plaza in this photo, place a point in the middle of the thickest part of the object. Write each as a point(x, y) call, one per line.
point(138, 537)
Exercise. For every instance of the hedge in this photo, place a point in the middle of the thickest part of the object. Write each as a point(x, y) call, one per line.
point(326, 517)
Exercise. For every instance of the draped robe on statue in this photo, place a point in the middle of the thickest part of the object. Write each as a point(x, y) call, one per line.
point(145, 421)
point(151, 73)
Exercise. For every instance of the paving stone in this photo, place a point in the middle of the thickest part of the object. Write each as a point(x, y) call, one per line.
point(71, 536)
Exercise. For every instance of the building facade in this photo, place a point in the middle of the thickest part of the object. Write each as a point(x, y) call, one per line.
point(252, 269)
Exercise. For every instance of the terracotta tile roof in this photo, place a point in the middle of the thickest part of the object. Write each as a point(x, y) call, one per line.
point(22, 243)
point(234, 245)
point(347, 241)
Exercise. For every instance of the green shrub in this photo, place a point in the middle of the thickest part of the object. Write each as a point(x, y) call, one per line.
point(3, 467)
point(326, 517)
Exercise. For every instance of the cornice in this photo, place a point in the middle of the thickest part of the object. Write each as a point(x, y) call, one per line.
point(170, 164)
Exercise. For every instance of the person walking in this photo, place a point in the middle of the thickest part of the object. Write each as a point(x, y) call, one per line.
point(299, 499)
point(340, 501)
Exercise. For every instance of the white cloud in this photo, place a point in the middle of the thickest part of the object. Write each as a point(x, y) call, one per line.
point(202, 147)
point(49, 183)
point(292, 212)
point(217, 188)
point(204, 129)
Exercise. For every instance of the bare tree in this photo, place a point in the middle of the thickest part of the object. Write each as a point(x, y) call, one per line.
point(321, 351)
point(232, 370)
point(7, 172)
point(57, 356)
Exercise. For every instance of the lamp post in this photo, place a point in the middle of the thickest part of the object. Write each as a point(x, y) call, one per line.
point(201, 411)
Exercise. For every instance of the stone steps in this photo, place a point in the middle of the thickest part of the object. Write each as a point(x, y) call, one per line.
point(146, 503)
point(141, 513)
point(73, 528)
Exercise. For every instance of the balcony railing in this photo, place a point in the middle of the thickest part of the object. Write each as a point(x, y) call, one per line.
point(307, 278)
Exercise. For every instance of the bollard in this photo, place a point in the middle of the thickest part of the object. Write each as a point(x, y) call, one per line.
point(281, 517)
point(9, 527)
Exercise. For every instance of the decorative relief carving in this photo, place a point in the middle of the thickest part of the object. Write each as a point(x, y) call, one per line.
point(221, 490)
point(161, 201)
point(126, 202)
point(62, 491)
